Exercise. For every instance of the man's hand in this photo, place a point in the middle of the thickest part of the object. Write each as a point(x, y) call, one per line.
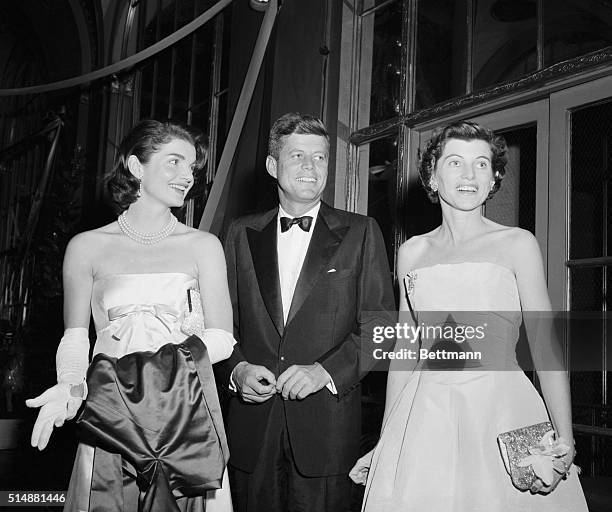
point(299, 381)
point(255, 383)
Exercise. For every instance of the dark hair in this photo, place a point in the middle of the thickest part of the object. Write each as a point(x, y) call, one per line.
point(462, 130)
point(291, 123)
point(142, 141)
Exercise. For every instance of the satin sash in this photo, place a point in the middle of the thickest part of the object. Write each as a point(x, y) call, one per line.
point(155, 415)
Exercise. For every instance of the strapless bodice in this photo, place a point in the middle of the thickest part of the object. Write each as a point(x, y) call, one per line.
point(139, 312)
point(480, 296)
point(480, 286)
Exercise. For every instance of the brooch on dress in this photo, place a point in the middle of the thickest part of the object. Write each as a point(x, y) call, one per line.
point(409, 280)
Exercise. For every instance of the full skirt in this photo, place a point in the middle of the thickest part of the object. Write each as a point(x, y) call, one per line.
point(438, 448)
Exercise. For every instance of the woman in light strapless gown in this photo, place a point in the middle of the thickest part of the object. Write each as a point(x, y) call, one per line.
point(134, 275)
point(438, 445)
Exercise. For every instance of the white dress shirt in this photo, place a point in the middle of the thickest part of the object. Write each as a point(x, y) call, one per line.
point(291, 247)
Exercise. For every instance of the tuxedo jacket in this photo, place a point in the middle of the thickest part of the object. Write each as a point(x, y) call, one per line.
point(344, 287)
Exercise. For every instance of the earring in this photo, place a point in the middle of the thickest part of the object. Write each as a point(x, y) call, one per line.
point(492, 185)
point(139, 193)
point(434, 186)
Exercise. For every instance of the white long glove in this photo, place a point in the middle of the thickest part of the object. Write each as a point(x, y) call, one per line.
point(62, 401)
point(219, 344)
point(56, 406)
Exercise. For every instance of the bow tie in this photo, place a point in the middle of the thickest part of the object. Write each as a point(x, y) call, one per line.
point(304, 223)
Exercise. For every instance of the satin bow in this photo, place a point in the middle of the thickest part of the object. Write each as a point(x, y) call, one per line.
point(543, 458)
point(304, 222)
point(158, 311)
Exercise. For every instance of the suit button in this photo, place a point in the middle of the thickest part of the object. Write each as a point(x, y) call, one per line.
point(282, 358)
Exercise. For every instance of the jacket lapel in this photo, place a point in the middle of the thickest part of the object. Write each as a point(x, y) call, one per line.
point(326, 238)
point(262, 244)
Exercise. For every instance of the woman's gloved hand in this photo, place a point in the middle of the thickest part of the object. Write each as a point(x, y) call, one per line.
point(57, 404)
point(359, 473)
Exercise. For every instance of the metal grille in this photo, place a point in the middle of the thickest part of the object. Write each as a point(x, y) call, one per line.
point(25, 175)
point(589, 279)
point(586, 287)
point(25, 172)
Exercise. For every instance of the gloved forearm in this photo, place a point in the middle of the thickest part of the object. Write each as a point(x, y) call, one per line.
point(62, 401)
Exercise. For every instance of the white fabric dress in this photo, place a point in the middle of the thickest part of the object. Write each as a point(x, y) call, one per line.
point(438, 448)
point(138, 312)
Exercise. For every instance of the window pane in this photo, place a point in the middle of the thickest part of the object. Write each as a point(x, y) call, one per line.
point(181, 73)
point(146, 90)
point(574, 28)
point(382, 182)
point(386, 62)
point(441, 51)
point(505, 41)
point(591, 197)
point(204, 51)
point(164, 69)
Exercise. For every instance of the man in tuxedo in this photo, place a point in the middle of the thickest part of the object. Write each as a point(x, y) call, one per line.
point(305, 280)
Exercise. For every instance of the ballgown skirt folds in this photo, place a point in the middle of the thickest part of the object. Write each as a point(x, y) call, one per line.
point(438, 447)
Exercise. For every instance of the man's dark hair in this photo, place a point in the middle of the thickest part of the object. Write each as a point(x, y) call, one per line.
point(291, 123)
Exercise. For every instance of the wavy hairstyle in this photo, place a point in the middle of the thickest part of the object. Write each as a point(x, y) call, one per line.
point(467, 131)
point(143, 140)
point(290, 123)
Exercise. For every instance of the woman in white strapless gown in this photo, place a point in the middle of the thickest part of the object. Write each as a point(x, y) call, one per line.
point(134, 275)
point(438, 445)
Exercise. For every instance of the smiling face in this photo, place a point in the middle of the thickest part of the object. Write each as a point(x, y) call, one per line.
point(463, 174)
point(301, 171)
point(168, 175)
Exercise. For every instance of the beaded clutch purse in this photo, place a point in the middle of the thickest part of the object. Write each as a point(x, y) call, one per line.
point(514, 447)
point(193, 324)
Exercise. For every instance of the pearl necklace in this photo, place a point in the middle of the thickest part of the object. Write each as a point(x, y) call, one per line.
point(146, 238)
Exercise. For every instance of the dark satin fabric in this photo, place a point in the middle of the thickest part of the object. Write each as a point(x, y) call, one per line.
point(156, 415)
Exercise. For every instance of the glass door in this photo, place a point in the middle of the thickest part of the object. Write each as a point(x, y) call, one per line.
point(580, 254)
